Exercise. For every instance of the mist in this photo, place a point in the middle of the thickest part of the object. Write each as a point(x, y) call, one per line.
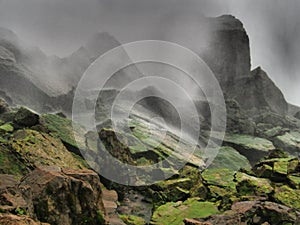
point(60, 27)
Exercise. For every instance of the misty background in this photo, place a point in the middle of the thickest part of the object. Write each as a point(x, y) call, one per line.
point(59, 27)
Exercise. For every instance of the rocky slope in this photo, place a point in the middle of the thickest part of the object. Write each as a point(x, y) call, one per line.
point(255, 178)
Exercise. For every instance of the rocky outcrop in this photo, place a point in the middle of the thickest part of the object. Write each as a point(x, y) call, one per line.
point(228, 56)
point(257, 91)
point(228, 53)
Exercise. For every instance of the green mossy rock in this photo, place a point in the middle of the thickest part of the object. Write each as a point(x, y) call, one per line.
point(288, 196)
point(254, 148)
point(62, 128)
point(249, 185)
point(294, 180)
point(219, 177)
point(174, 213)
point(11, 163)
point(132, 220)
point(290, 142)
point(6, 128)
point(231, 159)
point(40, 149)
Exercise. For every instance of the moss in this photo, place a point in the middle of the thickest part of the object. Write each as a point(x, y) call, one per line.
point(249, 185)
point(132, 220)
point(20, 211)
point(6, 128)
point(10, 163)
point(174, 213)
point(100, 217)
point(281, 167)
point(250, 142)
point(294, 181)
point(288, 196)
point(220, 177)
point(36, 149)
point(63, 128)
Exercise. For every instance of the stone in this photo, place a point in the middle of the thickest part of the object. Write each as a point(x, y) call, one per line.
point(254, 212)
point(288, 196)
point(65, 196)
point(25, 117)
point(10, 219)
point(253, 148)
point(250, 185)
point(40, 149)
point(231, 159)
point(62, 128)
point(290, 142)
point(174, 213)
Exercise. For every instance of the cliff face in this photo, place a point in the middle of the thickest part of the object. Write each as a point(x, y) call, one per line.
point(228, 52)
point(228, 56)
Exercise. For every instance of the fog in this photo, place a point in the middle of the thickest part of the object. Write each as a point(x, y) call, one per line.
point(59, 27)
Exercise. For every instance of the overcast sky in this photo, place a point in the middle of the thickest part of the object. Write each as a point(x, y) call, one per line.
point(60, 26)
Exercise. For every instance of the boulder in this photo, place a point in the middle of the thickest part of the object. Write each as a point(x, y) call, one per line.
point(26, 118)
point(65, 196)
point(252, 186)
point(231, 159)
point(253, 148)
point(62, 128)
point(290, 142)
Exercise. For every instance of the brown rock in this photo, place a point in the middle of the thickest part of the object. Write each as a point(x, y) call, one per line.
point(67, 196)
point(10, 219)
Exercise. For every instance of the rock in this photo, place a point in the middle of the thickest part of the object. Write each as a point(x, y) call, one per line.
point(297, 115)
point(25, 117)
point(135, 208)
point(252, 186)
point(195, 222)
point(237, 119)
point(3, 106)
point(288, 196)
point(273, 119)
point(40, 149)
point(133, 220)
point(228, 53)
point(11, 163)
point(231, 159)
point(65, 196)
point(174, 213)
point(290, 142)
point(257, 91)
point(253, 148)
point(110, 201)
point(10, 219)
point(62, 128)
point(255, 212)
point(187, 183)
point(6, 128)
